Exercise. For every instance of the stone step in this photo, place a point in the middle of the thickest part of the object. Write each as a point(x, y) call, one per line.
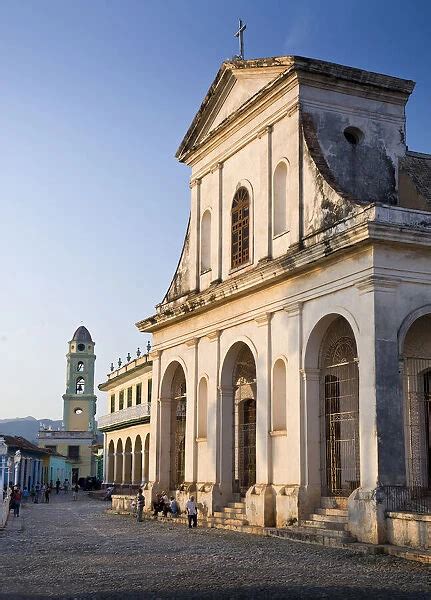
point(333, 502)
point(333, 526)
point(233, 515)
point(341, 512)
point(236, 505)
point(229, 509)
point(315, 535)
point(329, 518)
point(227, 521)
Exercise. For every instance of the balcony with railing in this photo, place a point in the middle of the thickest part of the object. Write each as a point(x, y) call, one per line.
point(126, 415)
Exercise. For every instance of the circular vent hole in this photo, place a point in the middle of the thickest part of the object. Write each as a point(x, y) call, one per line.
point(78, 411)
point(353, 135)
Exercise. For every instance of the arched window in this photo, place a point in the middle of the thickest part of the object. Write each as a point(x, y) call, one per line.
point(206, 242)
point(80, 385)
point(202, 408)
point(280, 199)
point(80, 366)
point(279, 396)
point(240, 228)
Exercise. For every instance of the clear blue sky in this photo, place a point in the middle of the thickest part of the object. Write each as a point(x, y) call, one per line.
point(95, 98)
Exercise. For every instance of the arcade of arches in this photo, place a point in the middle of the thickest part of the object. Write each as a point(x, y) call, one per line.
point(127, 459)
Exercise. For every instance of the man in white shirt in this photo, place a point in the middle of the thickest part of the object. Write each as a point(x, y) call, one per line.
point(192, 512)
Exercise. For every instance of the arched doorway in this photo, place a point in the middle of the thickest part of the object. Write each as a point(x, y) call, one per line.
point(339, 409)
point(178, 428)
point(146, 459)
point(119, 463)
point(137, 471)
point(110, 469)
point(127, 475)
point(416, 356)
point(239, 429)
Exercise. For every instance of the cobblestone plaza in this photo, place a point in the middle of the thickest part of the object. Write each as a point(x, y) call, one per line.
point(76, 550)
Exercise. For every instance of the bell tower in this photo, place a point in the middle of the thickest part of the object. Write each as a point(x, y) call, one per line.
point(79, 407)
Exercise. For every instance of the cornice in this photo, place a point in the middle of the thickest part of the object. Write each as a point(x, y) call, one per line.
point(213, 336)
point(376, 283)
point(356, 230)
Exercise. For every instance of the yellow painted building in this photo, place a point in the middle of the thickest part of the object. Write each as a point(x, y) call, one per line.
point(126, 426)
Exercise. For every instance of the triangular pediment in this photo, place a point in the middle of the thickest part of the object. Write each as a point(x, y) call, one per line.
point(235, 84)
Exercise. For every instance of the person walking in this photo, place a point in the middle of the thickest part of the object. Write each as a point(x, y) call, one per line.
point(140, 503)
point(37, 493)
point(25, 495)
point(43, 490)
point(192, 512)
point(174, 507)
point(47, 494)
point(66, 485)
point(57, 486)
point(75, 490)
point(17, 497)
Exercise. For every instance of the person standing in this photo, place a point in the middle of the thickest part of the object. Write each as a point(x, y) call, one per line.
point(17, 497)
point(43, 490)
point(66, 485)
point(140, 503)
point(57, 486)
point(47, 493)
point(75, 490)
point(192, 512)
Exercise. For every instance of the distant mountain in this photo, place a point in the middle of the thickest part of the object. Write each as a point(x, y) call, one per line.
point(27, 427)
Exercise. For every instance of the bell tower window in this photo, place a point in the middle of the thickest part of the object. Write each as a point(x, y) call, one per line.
point(80, 385)
point(240, 228)
point(80, 366)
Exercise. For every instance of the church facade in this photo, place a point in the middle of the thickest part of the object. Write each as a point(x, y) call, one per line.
point(78, 437)
point(292, 351)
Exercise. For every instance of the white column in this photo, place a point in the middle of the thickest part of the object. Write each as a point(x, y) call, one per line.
point(16, 474)
point(105, 459)
point(296, 414)
point(2, 473)
point(217, 224)
point(194, 235)
point(225, 442)
point(22, 472)
point(213, 430)
point(263, 402)
point(154, 462)
point(190, 449)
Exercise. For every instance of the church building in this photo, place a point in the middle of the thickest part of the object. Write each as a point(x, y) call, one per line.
point(291, 360)
point(78, 437)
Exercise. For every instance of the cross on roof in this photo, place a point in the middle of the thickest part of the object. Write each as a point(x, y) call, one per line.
point(240, 35)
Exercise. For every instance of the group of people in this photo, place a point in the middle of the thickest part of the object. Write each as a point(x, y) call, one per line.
point(37, 493)
point(167, 505)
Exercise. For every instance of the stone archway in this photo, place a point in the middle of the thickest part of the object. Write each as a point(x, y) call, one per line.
point(127, 467)
point(137, 461)
point(118, 474)
point(146, 467)
point(173, 424)
point(111, 465)
point(238, 425)
point(416, 361)
point(331, 395)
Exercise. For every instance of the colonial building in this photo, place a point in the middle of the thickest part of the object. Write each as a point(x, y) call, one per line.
point(79, 437)
point(25, 464)
point(292, 351)
point(126, 428)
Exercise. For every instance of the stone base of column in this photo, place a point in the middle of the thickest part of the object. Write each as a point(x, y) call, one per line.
point(367, 515)
point(260, 505)
point(286, 505)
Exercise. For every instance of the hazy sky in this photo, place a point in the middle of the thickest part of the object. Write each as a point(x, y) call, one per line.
point(95, 98)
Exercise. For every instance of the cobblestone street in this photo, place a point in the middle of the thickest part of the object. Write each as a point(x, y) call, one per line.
point(76, 550)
